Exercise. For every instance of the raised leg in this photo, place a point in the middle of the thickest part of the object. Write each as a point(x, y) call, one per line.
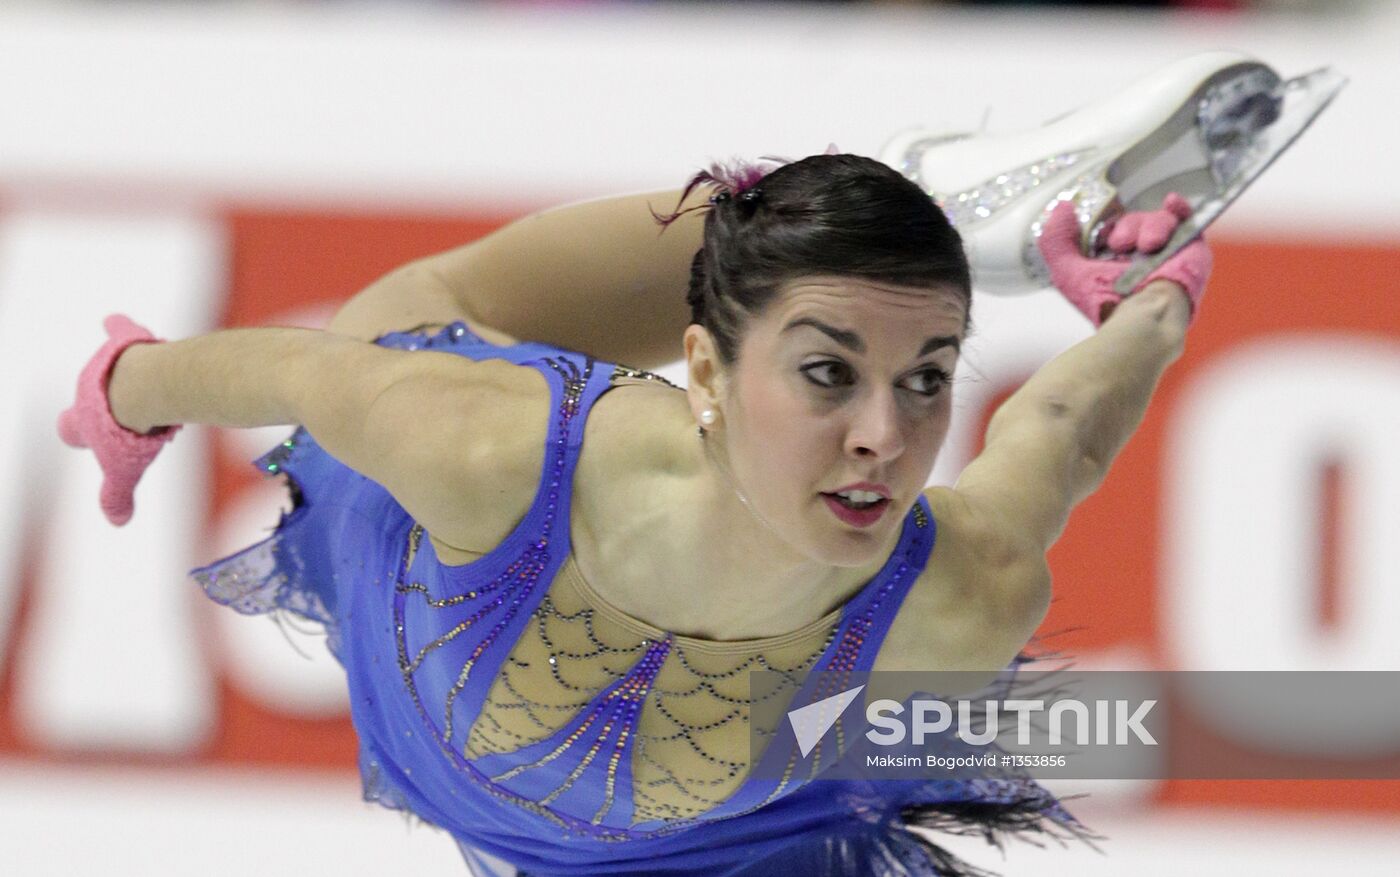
point(407, 298)
point(598, 277)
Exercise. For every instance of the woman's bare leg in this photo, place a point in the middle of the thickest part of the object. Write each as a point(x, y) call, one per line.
point(407, 298)
point(597, 276)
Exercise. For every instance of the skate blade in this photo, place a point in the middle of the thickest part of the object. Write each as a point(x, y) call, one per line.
point(1303, 100)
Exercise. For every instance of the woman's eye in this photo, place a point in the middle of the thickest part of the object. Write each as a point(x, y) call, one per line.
point(829, 374)
point(929, 382)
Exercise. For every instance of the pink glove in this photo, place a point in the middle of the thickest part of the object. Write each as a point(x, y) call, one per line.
point(1088, 283)
point(122, 453)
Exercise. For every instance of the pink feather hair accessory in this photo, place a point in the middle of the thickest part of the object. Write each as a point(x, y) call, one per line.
point(731, 178)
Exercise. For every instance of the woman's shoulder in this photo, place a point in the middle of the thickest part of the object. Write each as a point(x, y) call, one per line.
point(635, 427)
point(492, 453)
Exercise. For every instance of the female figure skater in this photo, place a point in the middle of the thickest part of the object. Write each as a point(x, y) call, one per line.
point(547, 596)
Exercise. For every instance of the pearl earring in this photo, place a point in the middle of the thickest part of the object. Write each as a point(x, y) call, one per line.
point(708, 418)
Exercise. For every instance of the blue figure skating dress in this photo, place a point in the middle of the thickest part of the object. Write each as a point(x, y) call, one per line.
point(551, 734)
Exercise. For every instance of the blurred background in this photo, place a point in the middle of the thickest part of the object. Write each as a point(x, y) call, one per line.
point(209, 165)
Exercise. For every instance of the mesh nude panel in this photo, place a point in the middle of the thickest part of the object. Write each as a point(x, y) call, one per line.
point(690, 748)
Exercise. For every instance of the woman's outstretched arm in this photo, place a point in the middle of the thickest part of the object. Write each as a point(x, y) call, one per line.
point(1048, 447)
point(247, 378)
point(464, 480)
point(597, 276)
point(1051, 443)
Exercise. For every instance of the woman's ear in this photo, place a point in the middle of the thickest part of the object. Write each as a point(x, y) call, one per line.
point(705, 374)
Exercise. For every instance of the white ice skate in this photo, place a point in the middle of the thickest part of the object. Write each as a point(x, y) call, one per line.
point(1205, 127)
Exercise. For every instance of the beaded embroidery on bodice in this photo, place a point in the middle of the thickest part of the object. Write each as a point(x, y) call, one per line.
point(690, 748)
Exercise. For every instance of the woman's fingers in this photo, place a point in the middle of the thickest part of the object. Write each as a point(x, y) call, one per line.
point(1157, 228)
point(1123, 237)
point(1177, 205)
point(1060, 237)
point(1148, 231)
point(69, 430)
point(116, 498)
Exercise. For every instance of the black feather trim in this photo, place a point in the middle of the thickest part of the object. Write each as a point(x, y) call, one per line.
point(1029, 819)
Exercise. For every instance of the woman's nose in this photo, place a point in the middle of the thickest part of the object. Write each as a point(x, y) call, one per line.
point(876, 430)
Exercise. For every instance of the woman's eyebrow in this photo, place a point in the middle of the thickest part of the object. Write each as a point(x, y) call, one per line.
point(852, 341)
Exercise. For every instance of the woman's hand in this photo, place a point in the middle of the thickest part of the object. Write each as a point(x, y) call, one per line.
point(1088, 283)
point(122, 453)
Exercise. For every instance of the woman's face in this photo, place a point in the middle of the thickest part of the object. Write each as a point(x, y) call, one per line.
point(840, 384)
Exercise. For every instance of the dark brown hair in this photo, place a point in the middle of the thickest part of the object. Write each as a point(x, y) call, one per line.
point(842, 215)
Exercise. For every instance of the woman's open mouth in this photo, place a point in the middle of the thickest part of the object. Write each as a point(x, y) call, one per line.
point(857, 508)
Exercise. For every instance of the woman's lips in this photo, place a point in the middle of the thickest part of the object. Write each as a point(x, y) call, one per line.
point(856, 517)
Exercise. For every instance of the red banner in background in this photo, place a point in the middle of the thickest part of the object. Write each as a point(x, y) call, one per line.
point(1110, 584)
